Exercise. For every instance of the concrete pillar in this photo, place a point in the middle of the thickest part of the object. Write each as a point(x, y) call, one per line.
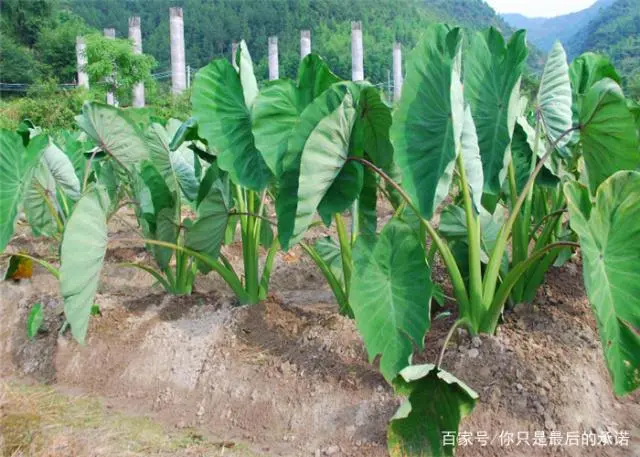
point(135, 35)
point(234, 53)
point(81, 59)
point(178, 67)
point(274, 72)
point(397, 71)
point(305, 43)
point(111, 97)
point(357, 52)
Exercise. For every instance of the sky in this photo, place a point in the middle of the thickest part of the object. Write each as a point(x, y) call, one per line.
point(539, 8)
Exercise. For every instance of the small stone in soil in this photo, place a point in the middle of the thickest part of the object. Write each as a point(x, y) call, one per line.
point(473, 353)
point(521, 403)
point(476, 342)
point(332, 450)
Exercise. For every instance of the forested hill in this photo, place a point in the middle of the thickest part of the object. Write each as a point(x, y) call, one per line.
point(615, 32)
point(211, 25)
point(544, 31)
point(610, 27)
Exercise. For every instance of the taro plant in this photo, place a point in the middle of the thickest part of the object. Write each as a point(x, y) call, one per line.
point(41, 179)
point(223, 98)
point(157, 179)
point(210, 162)
point(260, 139)
point(320, 118)
point(444, 132)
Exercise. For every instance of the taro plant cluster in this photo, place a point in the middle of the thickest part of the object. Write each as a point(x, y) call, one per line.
point(519, 185)
point(43, 177)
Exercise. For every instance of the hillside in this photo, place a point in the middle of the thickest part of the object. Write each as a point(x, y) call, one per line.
point(211, 25)
point(616, 33)
point(544, 31)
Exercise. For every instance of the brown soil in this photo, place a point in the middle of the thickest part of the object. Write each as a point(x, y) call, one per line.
point(290, 377)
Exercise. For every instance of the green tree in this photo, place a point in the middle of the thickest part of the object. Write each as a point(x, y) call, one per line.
point(113, 65)
point(18, 62)
point(56, 46)
point(24, 19)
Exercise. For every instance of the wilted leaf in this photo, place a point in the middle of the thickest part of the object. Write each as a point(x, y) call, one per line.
point(437, 402)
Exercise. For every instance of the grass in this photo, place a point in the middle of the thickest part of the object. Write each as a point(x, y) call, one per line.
point(38, 421)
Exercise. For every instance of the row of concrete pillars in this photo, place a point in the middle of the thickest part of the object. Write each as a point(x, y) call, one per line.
point(178, 62)
point(357, 56)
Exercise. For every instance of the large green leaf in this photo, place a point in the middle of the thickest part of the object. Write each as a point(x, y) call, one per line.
point(554, 96)
point(608, 133)
point(367, 204)
point(81, 258)
point(17, 164)
point(207, 232)
point(278, 106)
point(329, 252)
point(247, 77)
point(453, 227)
point(343, 191)
point(471, 159)
point(178, 172)
point(162, 217)
point(275, 114)
point(426, 424)
point(634, 107)
point(75, 144)
point(428, 121)
point(375, 116)
point(109, 178)
point(41, 198)
point(588, 69)
point(320, 142)
point(390, 295)
point(27, 130)
point(114, 133)
point(493, 71)
point(40, 202)
point(609, 233)
point(522, 153)
point(62, 170)
point(224, 120)
point(323, 164)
